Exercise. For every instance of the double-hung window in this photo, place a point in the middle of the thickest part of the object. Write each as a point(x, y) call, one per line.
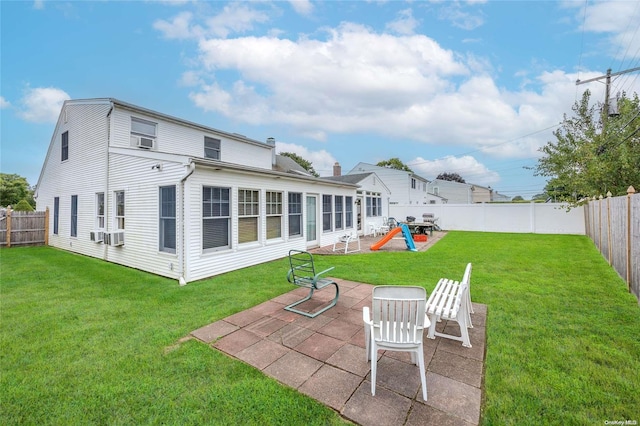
point(65, 146)
point(167, 240)
point(216, 218)
point(348, 212)
point(295, 214)
point(100, 210)
point(74, 215)
point(248, 215)
point(374, 205)
point(119, 197)
point(413, 183)
point(339, 209)
point(274, 214)
point(211, 148)
point(143, 133)
point(56, 214)
point(326, 212)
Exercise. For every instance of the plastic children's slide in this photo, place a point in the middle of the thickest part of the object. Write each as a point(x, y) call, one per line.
point(405, 232)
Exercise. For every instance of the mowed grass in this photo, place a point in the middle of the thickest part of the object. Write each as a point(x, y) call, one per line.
point(87, 342)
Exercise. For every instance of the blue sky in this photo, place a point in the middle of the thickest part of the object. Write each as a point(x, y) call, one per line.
point(472, 87)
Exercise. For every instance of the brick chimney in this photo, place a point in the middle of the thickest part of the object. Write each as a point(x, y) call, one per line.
point(337, 170)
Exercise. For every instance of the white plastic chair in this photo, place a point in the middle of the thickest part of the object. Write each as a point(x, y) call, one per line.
point(347, 239)
point(448, 301)
point(466, 279)
point(397, 324)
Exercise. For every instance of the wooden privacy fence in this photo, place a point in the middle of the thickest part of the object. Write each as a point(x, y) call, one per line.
point(613, 223)
point(24, 228)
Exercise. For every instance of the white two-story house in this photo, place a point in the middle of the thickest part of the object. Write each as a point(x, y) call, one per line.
point(154, 192)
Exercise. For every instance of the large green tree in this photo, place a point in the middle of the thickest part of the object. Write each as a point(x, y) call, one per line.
point(305, 164)
point(13, 189)
point(593, 153)
point(453, 177)
point(394, 163)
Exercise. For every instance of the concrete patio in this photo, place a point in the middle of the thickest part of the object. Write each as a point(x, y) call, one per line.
point(324, 358)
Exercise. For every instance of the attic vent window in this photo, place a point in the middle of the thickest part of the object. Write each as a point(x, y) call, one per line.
point(143, 133)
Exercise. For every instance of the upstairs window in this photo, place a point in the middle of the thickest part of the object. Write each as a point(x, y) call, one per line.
point(65, 146)
point(211, 148)
point(143, 133)
point(413, 183)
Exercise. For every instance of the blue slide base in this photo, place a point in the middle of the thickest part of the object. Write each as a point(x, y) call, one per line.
point(408, 238)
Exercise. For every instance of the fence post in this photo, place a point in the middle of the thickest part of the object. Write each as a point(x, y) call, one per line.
point(600, 223)
point(8, 226)
point(630, 191)
point(609, 227)
point(46, 226)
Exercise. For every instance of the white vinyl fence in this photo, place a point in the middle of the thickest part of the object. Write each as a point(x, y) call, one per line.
point(537, 218)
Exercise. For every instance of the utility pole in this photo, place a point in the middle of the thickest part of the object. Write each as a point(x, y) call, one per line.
point(607, 76)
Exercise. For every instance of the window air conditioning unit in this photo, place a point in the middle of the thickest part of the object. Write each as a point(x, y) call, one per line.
point(97, 236)
point(146, 143)
point(115, 238)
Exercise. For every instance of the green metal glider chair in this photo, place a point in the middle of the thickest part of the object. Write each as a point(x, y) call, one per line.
point(303, 274)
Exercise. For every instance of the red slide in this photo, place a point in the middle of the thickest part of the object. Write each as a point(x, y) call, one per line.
point(385, 239)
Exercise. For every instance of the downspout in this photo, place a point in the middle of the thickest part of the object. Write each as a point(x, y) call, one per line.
point(181, 249)
point(107, 216)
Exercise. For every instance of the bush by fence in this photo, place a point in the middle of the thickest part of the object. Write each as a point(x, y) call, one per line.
point(19, 228)
point(613, 223)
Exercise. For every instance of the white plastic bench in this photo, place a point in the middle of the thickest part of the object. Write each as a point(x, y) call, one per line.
point(448, 301)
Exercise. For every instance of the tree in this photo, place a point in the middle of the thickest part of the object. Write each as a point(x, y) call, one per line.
point(453, 177)
point(305, 164)
point(517, 198)
point(592, 153)
point(394, 163)
point(14, 188)
point(23, 206)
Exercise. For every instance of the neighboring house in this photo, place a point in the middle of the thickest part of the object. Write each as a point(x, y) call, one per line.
point(372, 205)
point(460, 193)
point(154, 192)
point(406, 188)
point(500, 198)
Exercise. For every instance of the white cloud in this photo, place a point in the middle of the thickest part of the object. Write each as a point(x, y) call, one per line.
point(303, 7)
point(234, 18)
point(4, 103)
point(322, 161)
point(403, 87)
point(404, 24)
point(461, 19)
point(466, 166)
point(38, 4)
point(42, 104)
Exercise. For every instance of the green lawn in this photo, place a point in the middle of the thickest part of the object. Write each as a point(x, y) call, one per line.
point(87, 342)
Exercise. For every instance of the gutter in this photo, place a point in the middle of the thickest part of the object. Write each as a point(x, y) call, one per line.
point(181, 250)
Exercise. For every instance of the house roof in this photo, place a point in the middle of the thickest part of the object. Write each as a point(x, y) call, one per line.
point(354, 178)
point(288, 165)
